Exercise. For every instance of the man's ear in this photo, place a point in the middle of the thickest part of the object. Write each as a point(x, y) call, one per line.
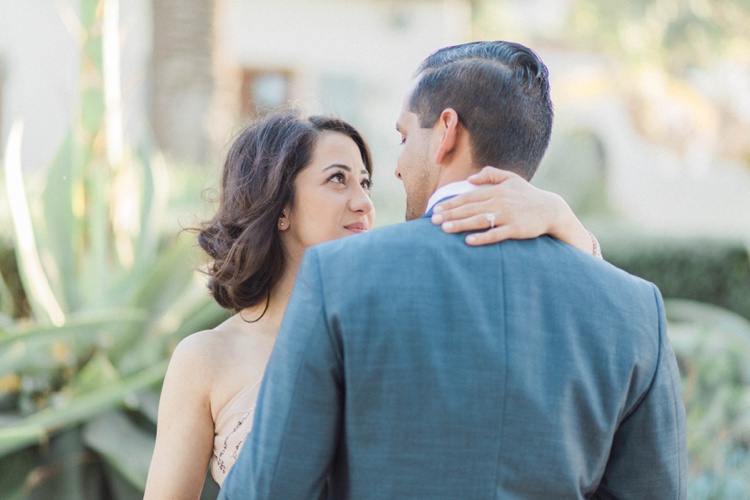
point(448, 126)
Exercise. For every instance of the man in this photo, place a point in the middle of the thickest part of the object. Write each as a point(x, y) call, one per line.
point(412, 366)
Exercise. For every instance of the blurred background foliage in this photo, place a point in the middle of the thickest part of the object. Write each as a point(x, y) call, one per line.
point(675, 35)
point(712, 346)
point(672, 44)
point(96, 291)
point(92, 305)
point(706, 270)
point(677, 39)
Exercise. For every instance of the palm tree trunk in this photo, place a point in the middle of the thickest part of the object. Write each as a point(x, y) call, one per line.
point(183, 83)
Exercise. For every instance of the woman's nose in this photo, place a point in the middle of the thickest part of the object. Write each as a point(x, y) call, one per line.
point(361, 201)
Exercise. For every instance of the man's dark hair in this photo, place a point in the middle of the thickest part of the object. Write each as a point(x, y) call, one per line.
point(500, 91)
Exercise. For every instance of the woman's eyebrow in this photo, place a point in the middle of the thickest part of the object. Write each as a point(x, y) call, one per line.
point(347, 168)
point(338, 165)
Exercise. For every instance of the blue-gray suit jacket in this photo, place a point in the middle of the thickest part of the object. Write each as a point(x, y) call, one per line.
point(411, 366)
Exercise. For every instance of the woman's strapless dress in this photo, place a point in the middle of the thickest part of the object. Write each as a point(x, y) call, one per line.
point(233, 424)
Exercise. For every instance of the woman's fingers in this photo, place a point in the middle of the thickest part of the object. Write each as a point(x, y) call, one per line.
point(518, 211)
point(491, 179)
point(472, 223)
point(467, 210)
point(511, 210)
point(490, 236)
point(478, 195)
point(491, 175)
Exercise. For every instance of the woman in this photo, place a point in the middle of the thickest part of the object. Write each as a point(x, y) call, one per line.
point(289, 183)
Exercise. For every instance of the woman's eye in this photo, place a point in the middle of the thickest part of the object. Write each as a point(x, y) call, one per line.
point(338, 178)
point(366, 184)
point(403, 140)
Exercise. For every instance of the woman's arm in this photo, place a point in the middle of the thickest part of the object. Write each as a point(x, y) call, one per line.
point(185, 428)
point(520, 211)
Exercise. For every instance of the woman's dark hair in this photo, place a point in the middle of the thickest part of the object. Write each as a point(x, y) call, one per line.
point(257, 183)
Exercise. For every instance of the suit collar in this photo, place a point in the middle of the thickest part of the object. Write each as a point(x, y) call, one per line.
point(428, 214)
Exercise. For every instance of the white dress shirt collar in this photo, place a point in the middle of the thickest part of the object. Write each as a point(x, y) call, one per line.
point(452, 189)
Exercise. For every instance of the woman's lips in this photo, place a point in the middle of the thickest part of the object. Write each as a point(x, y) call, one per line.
point(357, 227)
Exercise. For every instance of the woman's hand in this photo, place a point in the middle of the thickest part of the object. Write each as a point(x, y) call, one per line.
point(520, 210)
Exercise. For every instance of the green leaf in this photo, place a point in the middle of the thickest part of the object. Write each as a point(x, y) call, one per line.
point(18, 437)
point(169, 277)
point(94, 402)
point(154, 284)
point(99, 262)
point(7, 304)
point(98, 372)
point(149, 406)
point(124, 445)
point(16, 468)
point(82, 319)
point(60, 471)
point(6, 323)
point(192, 313)
point(151, 204)
point(34, 278)
point(63, 190)
point(28, 345)
point(84, 407)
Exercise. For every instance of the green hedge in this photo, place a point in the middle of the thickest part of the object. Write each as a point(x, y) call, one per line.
point(706, 270)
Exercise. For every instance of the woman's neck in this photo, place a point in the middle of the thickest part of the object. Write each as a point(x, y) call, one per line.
point(283, 290)
point(274, 308)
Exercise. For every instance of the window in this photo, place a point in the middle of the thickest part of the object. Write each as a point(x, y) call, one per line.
point(263, 90)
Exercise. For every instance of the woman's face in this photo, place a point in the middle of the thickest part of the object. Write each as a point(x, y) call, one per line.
point(332, 196)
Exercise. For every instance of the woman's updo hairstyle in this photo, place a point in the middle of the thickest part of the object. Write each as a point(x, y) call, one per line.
point(257, 183)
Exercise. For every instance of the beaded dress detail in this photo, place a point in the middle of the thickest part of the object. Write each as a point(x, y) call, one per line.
point(233, 424)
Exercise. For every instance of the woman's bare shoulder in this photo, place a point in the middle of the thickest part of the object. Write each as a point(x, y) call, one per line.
point(207, 347)
point(221, 361)
point(196, 357)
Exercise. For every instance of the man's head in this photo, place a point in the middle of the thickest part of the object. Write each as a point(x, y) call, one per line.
point(489, 100)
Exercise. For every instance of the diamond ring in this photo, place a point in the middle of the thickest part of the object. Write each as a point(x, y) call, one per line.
point(490, 218)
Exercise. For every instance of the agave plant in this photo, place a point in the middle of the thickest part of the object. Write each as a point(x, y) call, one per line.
point(110, 295)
